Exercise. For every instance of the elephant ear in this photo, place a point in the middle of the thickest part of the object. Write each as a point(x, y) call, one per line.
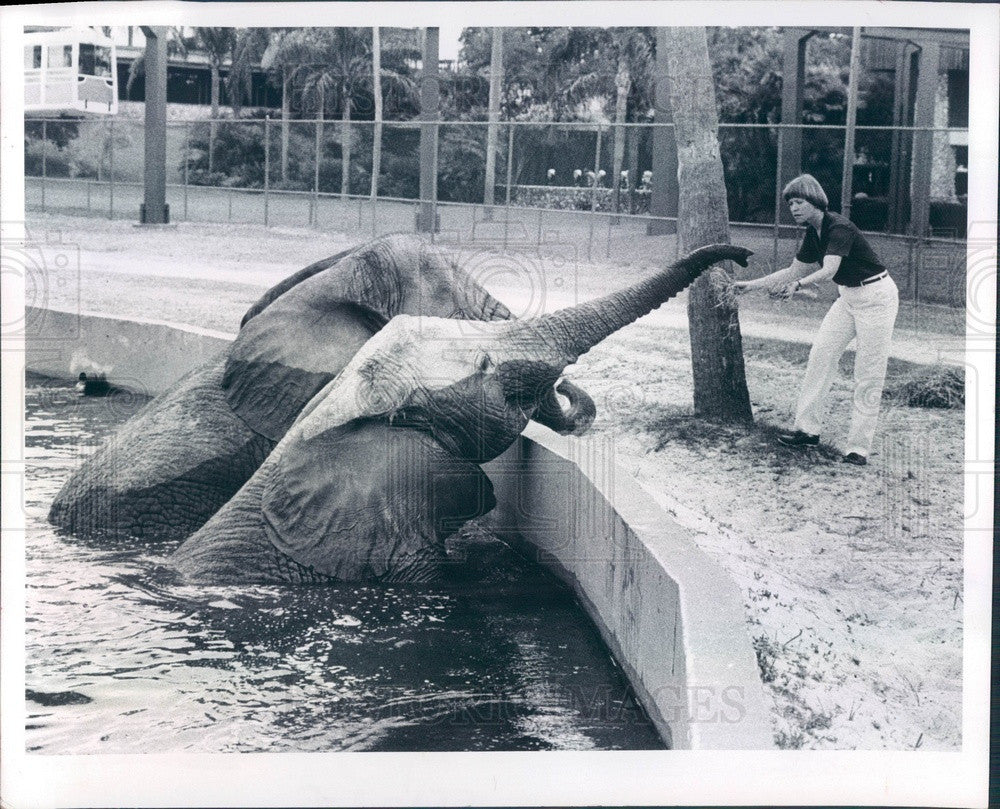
point(367, 500)
point(282, 357)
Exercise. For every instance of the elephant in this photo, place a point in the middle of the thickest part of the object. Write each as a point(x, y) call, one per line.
point(189, 450)
point(383, 464)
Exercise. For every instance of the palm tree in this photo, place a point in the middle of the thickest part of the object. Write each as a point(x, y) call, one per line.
point(626, 54)
point(217, 43)
point(334, 62)
point(288, 51)
point(248, 47)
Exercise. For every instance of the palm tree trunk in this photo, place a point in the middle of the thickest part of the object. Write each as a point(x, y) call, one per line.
point(632, 139)
point(623, 81)
point(496, 82)
point(319, 138)
point(720, 387)
point(286, 114)
point(212, 126)
point(345, 144)
point(377, 95)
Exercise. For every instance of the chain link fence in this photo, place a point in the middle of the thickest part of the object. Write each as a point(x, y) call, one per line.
point(589, 183)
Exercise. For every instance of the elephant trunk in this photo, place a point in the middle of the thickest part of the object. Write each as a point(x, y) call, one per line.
point(575, 330)
point(574, 419)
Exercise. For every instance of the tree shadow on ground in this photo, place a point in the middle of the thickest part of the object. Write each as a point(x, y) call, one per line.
point(757, 443)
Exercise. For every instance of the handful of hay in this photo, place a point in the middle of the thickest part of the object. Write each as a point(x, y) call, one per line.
point(941, 386)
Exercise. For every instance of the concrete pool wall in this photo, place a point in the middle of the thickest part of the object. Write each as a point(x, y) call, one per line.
point(671, 616)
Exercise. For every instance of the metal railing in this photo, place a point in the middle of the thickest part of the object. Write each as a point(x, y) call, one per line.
point(553, 182)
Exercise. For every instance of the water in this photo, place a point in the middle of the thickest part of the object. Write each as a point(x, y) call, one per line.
point(122, 658)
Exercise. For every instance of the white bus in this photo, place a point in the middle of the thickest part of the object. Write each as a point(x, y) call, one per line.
point(70, 70)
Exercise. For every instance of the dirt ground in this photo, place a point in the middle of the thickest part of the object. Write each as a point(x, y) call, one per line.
point(851, 577)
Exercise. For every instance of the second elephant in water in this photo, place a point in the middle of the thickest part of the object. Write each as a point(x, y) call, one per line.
point(382, 465)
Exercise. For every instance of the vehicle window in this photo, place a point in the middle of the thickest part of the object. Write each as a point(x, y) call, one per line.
point(33, 57)
point(94, 60)
point(60, 56)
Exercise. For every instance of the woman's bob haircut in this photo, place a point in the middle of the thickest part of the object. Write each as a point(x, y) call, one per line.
point(806, 187)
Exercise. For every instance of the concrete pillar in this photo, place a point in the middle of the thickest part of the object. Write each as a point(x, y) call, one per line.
point(154, 210)
point(902, 142)
point(943, 162)
point(793, 80)
point(665, 191)
point(429, 112)
point(496, 88)
point(923, 141)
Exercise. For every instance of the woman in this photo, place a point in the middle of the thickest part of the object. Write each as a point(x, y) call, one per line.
point(865, 309)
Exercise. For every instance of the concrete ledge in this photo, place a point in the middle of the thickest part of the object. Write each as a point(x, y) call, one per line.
point(146, 356)
point(672, 617)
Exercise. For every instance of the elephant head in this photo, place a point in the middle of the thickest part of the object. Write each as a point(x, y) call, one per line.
point(302, 333)
point(383, 463)
point(172, 466)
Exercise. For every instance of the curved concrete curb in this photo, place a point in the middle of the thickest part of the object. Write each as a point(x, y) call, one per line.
point(671, 616)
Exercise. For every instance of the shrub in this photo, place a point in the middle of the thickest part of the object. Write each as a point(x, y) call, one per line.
point(568, 198)
point(948, 218)
point(870, 213)
point(60, 161)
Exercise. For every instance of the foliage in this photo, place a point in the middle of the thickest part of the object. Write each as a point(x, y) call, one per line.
point(64, 155)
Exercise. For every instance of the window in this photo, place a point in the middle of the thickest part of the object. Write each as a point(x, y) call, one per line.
point(94, 60)
point(60, 56)
point(33, 57)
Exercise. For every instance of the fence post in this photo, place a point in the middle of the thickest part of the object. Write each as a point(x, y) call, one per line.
point(45, 150)
point(267, 166)
point(847, 179)
point(510, 179)
point(597, 169)
point(593, 192)
point(111, 173)
point(187, 159)
point(313, 211)
point(777, 197)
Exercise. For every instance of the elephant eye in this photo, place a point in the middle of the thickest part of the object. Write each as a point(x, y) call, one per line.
point(483, 362)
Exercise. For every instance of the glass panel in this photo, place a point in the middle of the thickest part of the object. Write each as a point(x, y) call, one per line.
point(60, 56)
point(95, 61)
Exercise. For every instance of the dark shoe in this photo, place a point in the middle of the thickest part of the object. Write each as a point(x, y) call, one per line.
point(798, 439)
point(854, 458)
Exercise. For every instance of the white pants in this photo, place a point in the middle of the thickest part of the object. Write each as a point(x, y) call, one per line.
point(867, 313)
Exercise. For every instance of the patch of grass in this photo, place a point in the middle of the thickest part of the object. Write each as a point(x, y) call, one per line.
point(789, 741)
point(818, 721)
point(940, 386)
point(767, 652)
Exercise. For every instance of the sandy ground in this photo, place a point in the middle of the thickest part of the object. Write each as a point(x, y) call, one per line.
point(851, 578)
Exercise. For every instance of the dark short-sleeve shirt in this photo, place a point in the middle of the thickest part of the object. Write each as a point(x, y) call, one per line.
point(839, 236)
